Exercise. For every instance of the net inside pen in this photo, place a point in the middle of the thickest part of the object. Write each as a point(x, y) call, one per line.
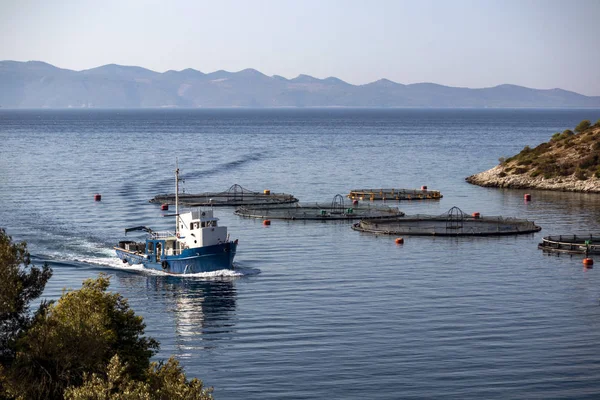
point(453, 223)
point(337, 210)
point(234, 196)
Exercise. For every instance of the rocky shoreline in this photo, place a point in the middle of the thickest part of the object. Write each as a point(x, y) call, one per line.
point(497, 177)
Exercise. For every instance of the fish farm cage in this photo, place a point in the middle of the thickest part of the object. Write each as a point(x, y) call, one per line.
point(336, 211)
point(394, 194)
point(234, 197)
point(452, 223)
point(574, 244)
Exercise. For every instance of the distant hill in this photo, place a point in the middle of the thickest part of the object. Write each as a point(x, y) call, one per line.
point(36, 84)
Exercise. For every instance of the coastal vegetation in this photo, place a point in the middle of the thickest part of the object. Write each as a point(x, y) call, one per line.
point(87, 345)
point(566, 153)
point(570, 160)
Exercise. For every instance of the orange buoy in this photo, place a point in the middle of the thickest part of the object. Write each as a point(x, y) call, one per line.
point(164, 206)
point(527, 197)
point(476, 215)
point(399, 240)
point(423, 187)
point(588, 262)
point(97, 197)
point(267, 222)
point(267, 191)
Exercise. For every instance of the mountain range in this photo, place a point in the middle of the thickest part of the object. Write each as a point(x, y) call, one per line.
point(36, 84)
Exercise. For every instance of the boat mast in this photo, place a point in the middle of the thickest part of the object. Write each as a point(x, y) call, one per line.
point(176, 198)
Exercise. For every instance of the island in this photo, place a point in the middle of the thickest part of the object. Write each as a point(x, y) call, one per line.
point(570, 161)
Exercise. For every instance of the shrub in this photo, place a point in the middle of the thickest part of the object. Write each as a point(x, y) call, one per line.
point(164, 381)
point(590, 161)
point(556, 136)
point(566, 134)
point(20, 283)
point(79, 334)
point(526, 150)
point(566, 169)
point(525, 161)
point(541, 148)
point(583, 125)
point(581, 174)
point(587, 138)
point(520, 170)
point(534, 173)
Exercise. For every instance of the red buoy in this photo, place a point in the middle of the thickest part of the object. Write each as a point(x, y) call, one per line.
point(476, 215)
point(355, 202)
point(527, 197)
point(97, 197)
point(267, 222)
point(164, 206)
point(588, 262)
point(423, 187)
point(399, 240)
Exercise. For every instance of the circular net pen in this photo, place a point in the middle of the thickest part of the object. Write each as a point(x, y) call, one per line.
point(336, 211)
point(573, 244)
point(235, 196)
point(394, 194)
point(453, 223)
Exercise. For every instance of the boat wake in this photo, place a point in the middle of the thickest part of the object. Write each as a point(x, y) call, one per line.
point(116, 263)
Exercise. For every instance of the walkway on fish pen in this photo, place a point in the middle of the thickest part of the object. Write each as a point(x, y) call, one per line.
point(574, 244)
point(394, 194)
point(336, 211)
point(235, 196)
point(453, 223)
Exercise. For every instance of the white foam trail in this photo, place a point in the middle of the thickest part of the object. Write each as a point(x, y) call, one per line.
point(116, 263)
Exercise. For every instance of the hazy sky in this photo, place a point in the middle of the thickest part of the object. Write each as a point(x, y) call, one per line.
point(539, 44)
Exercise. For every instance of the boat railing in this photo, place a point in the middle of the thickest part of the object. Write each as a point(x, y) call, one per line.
point(162, 235)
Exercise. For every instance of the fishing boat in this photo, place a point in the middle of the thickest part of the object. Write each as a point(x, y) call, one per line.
point(198, 243)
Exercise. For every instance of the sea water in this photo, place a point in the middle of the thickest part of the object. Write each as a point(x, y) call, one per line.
point(316, 310)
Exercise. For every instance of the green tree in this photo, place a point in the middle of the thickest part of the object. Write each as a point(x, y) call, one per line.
point(164, 381)
point(74, 347)
point(583, 125)
point(78, 335)
point(20, 283)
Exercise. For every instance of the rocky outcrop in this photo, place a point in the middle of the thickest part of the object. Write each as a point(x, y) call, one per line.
point(568, 162)
point(493, 178)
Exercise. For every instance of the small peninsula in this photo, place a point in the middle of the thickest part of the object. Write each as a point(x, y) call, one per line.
point(570, 161)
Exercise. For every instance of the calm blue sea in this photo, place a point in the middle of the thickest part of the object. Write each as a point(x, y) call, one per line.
point(316, 310)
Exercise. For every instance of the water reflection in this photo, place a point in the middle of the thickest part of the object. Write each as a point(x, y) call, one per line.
point(202, 311)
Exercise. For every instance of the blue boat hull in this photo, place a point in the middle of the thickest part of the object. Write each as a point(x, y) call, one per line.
point(190, 261)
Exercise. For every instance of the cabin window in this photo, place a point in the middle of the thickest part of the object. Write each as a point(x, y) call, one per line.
point(203, 224)
point(150, 248)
